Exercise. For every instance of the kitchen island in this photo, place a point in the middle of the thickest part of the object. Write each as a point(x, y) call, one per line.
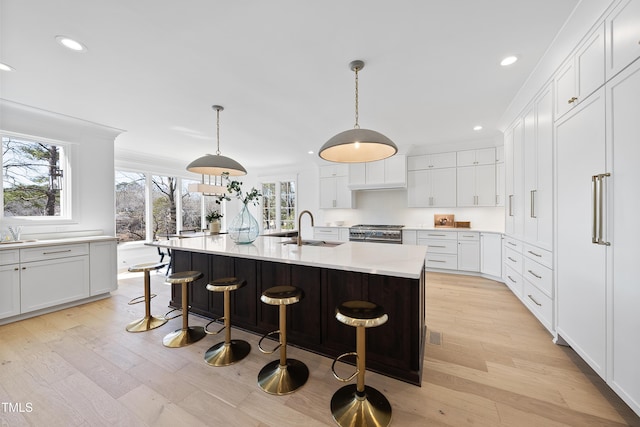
point(390, 275)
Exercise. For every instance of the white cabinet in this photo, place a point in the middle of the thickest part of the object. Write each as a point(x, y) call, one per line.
point(409, 237)
point(582, 74)
point(9, 283)
point(514, 184)
point(431, 188)
point(581, 271)
point(469, 251)
point(103, 267)
point(432, 161)
point(482, 156)
point(442, 251)
point(512, 264)
point(476, 185)
point(334, 192)
point(387, 173)
point(491, 254)
point(622, 36)
point(538, 171)
point(500, 176)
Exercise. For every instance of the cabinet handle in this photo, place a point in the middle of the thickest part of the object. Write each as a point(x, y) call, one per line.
point(497, 199)
point(534, 274)
point(435, 260)
point(436, 246)
point(334, 203)
point(533, 299)
point(510, 204)
point(511, 243)
point(533, 203)
point(535, 254)
point(24, 268)
point(430, 200)
point(56, 252)
point(572, 100)
point(598, 196)
point(511, 278)
point(16, 269)
point(466, 235)
point(511, 259)
point(437, 235)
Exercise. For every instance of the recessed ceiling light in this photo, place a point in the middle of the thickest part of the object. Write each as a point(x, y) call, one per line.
point(71, 44)
point(508, 60)
point(5, 67)
point(310, 152)
point(477, 127)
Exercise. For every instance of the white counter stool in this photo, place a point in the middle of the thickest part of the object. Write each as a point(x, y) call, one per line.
point(148, 322)
point(228, 351)
point(187, 334)
point(358, 404)
point(281, 376)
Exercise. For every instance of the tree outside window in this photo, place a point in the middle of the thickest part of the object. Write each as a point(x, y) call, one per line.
point(279, 205)
point(269, 221)
point(32, 178)
point(130, 206)
point(164, 210)
point(191, 207)
point(288, 205)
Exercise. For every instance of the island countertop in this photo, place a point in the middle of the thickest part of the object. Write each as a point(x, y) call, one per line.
point(373, 258)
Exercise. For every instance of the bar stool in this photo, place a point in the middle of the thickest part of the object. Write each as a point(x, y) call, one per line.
point(358, 404)
point(187, 334)
point(228, 351)
point(281, 376)
point(148, 321)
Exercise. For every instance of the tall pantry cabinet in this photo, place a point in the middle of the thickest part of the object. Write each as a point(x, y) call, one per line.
point(597, 232)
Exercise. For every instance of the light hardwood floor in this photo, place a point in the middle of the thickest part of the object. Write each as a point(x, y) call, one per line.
point(488, 362)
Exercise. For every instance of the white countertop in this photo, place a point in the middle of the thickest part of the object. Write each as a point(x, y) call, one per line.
point(373, 258)
point(23, 244)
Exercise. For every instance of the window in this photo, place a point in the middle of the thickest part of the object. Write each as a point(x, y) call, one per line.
point(279, 205)
point(164, 210)
point(33, 179)
point(191, 207)
point(130, 206)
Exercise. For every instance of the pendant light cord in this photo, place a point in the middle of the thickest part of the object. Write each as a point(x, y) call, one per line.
point(356, 126)
point(218, 130)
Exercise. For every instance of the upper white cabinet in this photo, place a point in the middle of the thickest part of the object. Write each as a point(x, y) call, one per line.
point(483, 156)
point(432, 161)
point(500, 176)
point(476, 185)
point(431, 188)
point(622, 36)
point(582, 74)
point(538, 171)
point(334, 192)
point(387, 173)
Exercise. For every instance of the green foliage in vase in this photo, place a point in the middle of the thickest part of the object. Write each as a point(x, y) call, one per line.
point(234, 188)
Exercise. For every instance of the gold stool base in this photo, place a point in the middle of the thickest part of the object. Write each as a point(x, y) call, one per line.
point(348, 409)
point(223, 354)
point(145, 324)
point(184, 337)
point(275, 379)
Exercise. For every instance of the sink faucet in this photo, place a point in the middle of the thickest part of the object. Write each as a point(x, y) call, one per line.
point(299, 229)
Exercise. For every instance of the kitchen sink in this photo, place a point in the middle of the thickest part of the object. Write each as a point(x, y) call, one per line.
point(321, 243)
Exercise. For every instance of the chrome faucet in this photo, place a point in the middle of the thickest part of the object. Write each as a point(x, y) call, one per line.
point(299, 229)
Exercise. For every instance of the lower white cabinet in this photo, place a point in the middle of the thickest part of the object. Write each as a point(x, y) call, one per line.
point(442, 251)
point(103, 267)
point(491, 254)
point(469, 251)
point(9, 290)
point(334, 234)
point(53, 281)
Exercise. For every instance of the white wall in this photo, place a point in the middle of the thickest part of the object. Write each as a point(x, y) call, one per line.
point(92, 168)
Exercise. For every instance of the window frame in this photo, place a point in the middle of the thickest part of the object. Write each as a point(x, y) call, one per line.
point(278, 180)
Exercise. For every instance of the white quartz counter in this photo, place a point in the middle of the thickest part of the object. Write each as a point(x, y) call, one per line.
point(373, 258)
point(27, 243)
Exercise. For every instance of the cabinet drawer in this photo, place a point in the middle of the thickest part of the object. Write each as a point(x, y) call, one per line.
point(514, 281)
point(446, 261)
point(514, 260)
point(323, 233)
point(440, 246)
point(468, 235)
point(542, 256)
point(439, 235)
point(513, 244)
point(9, 257)
point(539, 275)
point(539, 304)
point(53, 252)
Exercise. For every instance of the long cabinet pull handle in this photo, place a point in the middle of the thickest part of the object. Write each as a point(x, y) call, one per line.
point(511, 278)
point(597, 188)
point(533, 203)
point(436, 246)
point(511, 243)
point(510, 204)
point(535, 254)
point(435, 260)
point(534, 300)
point(594, 198)
point(600, 208)
point(511, 259)
point(56, 252)
point(534, 274)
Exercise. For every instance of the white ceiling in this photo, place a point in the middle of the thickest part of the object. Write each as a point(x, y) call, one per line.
point(279, 67)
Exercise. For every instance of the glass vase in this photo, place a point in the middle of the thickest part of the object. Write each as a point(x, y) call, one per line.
point(244, 227)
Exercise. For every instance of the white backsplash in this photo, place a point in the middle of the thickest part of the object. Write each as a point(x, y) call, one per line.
point(390, 207)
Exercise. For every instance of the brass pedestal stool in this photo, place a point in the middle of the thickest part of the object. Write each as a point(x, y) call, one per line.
point(187, 334)
point(282, 376)
point(148, 321)
point(358, 404)
point(228, 351)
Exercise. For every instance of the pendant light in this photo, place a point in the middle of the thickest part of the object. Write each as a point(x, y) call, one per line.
point(357, 145)
point(216, 165)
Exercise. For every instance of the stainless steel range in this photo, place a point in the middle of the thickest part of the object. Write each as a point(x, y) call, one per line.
point(376, 233)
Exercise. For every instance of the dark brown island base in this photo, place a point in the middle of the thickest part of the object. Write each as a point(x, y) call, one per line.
point(394, 349)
